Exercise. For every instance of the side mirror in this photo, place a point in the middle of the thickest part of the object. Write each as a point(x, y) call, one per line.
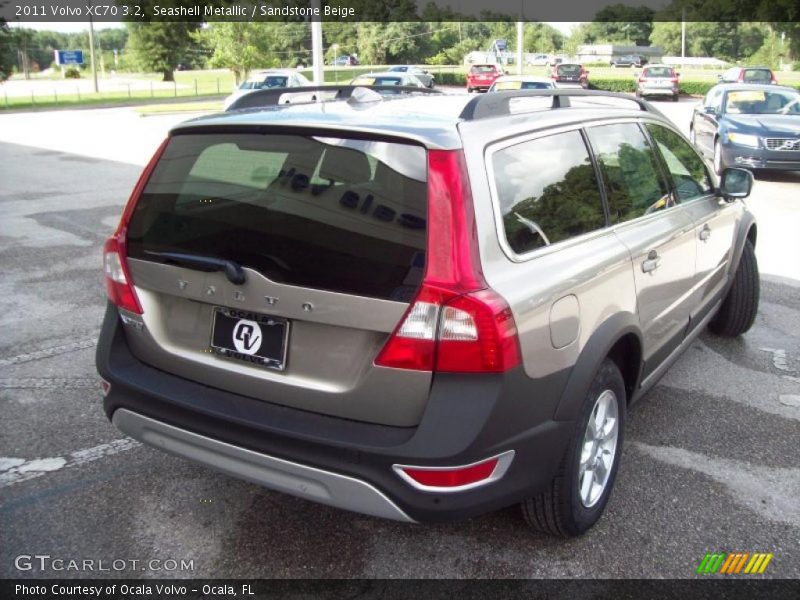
point(736, 183)
point(709, 110)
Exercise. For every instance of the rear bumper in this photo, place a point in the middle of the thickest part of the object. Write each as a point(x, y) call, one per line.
point(340, 462)
point(657, 91)
point(282, 475)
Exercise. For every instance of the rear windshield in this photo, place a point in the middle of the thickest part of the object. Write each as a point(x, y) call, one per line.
point(658, 72)
point(757, 76)
point(482, 69)
point(335, 214)
point(569, 69)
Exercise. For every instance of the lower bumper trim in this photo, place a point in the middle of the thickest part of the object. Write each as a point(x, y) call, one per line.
point(317, 485)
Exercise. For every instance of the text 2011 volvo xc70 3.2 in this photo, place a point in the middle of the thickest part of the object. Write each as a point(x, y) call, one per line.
point(420, 307)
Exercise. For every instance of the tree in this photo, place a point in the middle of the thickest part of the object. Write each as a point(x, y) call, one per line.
point(623, 24)
point(159, 46)
point(6, 51)
point(241, 47)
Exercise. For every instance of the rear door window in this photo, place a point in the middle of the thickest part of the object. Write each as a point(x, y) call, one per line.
point(336, 214)
point(634, 186)
point(547, 191)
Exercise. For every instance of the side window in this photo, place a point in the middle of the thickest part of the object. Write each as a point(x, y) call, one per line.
point(714, 99)
point(547, 191)
point(630, 171)
point(689, 174)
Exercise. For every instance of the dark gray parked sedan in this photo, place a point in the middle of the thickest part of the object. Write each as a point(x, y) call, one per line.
point(749, 125)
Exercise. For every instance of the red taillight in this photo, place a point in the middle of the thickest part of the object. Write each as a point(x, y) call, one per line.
point(453, 479)
point(477, 334)
point(119, 284)
point(118, 281)
point(455, 323)
point(642, 79)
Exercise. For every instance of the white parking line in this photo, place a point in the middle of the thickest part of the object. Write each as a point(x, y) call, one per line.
point(17, 470)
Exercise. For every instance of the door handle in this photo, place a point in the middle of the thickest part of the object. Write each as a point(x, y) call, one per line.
point(705, 233)
point(651, 263)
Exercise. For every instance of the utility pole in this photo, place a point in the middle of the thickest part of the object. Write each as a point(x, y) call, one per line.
point(316, 44)
point(683, 35)
point(91, 54)
point(520, 36)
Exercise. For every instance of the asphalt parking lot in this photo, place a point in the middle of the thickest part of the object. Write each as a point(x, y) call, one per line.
point(710, 462)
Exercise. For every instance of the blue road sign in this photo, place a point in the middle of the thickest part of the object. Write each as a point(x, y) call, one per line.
point(69, 57)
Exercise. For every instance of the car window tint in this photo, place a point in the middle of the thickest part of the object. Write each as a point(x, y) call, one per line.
point(689, 174)
point(630, 171)
point(338, 214)
point(569, 69)
point(536, 85)
point(757, 76)
point(658, 72)
point(547, 191)
point(714, 99)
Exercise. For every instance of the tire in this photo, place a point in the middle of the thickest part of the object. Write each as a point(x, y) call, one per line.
point(676, 97)
point(469, 90)
point(719, 162)
point(738, 310)
point(565, 509)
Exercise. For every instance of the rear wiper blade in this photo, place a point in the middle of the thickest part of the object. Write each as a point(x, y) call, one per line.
point(233, 271)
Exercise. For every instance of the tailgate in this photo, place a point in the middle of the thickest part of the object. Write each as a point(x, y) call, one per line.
point(330, 234)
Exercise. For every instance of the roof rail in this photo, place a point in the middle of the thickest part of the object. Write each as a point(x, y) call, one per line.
point(272, 96)
point(497, 104)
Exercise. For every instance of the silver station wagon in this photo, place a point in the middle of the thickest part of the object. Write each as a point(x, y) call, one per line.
point(420, 307)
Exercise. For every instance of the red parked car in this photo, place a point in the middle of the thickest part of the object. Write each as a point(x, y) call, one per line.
point(481, 77)
point(570, 75)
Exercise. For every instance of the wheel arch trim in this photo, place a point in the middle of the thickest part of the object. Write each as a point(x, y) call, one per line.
point(597, 348)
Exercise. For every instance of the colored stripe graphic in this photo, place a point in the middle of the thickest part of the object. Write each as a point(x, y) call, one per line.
point(732, 563)
point(711, 563)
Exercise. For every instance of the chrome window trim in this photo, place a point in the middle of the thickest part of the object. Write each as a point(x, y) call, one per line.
point(489, 153)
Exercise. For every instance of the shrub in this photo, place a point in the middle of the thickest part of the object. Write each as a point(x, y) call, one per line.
point(72, 73)
point(450, 78)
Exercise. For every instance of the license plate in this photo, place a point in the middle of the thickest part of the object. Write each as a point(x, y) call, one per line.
point(250, 337)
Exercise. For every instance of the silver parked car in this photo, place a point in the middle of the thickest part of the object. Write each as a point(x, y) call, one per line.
point(388, 78)
point(427, 78)
point(658, 80)
point(419, 308)
point(267, 79)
